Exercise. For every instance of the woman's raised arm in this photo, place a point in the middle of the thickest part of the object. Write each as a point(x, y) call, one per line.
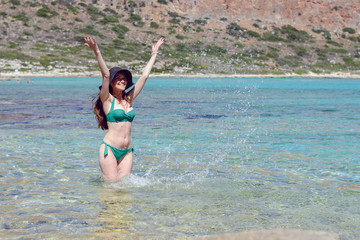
point(146, 72)
point(104, 93)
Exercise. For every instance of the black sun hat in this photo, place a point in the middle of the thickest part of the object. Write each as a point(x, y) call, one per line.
point(115, 70)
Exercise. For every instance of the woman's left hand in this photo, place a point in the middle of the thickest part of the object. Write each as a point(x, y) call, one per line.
point(91, 43)
point(155, 47)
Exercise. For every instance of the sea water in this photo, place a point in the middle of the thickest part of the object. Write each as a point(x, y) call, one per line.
point(212, 155)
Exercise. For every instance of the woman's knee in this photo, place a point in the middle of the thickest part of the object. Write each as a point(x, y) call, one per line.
point(110, 178)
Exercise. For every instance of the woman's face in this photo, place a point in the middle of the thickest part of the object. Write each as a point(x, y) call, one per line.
point(119, 82)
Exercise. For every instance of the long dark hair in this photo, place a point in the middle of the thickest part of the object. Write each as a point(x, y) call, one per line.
point(99, 111)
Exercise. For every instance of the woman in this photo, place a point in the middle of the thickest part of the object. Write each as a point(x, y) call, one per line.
point(114, 112)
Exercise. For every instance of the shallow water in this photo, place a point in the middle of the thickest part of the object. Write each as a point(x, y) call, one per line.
point(212, 156)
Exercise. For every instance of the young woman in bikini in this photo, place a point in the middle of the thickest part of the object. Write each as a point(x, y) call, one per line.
point(113, 109)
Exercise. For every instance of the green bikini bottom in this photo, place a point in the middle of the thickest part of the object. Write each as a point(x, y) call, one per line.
point(118, 153)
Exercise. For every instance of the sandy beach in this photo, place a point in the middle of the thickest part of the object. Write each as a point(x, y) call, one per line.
point(21, 75)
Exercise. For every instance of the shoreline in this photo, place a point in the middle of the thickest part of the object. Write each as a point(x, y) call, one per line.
point(6, 76)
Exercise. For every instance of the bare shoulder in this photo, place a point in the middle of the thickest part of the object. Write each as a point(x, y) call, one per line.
point(107, 103)
point(130, 96)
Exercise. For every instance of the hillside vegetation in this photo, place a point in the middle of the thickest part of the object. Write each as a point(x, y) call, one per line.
point(48, 35)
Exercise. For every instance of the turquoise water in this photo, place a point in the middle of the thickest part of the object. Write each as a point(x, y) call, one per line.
point(212, 156)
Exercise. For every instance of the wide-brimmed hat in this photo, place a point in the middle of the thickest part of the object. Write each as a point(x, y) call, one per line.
point(115, 70)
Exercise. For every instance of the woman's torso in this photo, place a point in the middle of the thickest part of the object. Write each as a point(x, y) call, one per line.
point(119, 116)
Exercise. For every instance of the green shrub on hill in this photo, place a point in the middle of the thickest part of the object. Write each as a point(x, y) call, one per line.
point(349, 30)
point(173, 14)
point(350, 62)
point(191, 65)
point(180, 37)
point(154, 25)
point(242, 58)
point(181, 47)
point(22, 17)
point(290, 61)
point(251, 56)
point(199, 29)
point(321, 54)
point(278, 72)
point(93, 11)
point(272, 55)
point(132, 4)
point(273, 52)
point(239, 45)
point(273, 49)
point(109, 19)
point(352, 38)
point(46, 12)
point(174, 21)
point(118, 43)
point(299, 50)
point(235, 30)
point(72, 9)
point(13, 55)
point(13, 45)
point(90, 30)
point(40, 46)
point(111, 11)
point(271, 37)
point(253, 34)
point(200, 22)
point(336, 50)
point(55, 28)
point(166, 68)
point(120, 30)
point(214, 50)
point(316, 71)
point(325, 33)
point(136, 20)
point(171, 30)
point(173, 53)
point(132, 47)
point(68, 51)
point(15, 2)
point(336, 44)
point(301, 72)
point(186, 28)
point(292, 34)
point(325, 65)
point(46, 62)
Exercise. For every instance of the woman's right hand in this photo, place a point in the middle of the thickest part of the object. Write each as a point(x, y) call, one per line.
point(91, 43)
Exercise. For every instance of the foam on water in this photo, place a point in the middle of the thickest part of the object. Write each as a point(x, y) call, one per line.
point(129, 182)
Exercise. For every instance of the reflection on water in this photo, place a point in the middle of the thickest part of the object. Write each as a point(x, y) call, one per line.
point(211, 156)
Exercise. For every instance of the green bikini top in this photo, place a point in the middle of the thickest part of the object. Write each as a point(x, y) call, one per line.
point(119, 115)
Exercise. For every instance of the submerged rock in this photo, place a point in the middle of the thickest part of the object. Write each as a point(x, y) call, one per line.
point(279, 234)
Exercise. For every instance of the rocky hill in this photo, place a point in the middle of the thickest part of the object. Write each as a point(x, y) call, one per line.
point(202, 36)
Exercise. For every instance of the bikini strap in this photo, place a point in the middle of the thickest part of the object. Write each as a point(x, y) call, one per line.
point(106, 149)
point(112, 104)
